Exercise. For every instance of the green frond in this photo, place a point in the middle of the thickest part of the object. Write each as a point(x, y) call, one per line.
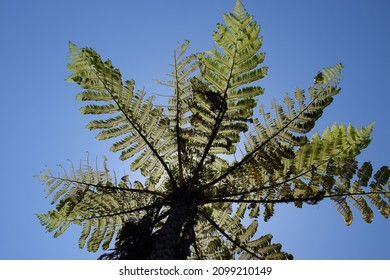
point(380, 188)
point(322, 167)
point(344, 209)
point(269, 211)
point(244, 245)
point(381, 178)
point(286, 131)
point(134, 120)
point(224, 92)
point(381, 203)
point(249, 232)
point(286, 124)
point(362, 206)
point(240, 11)
point(90, 199)
point(254, 211)
point(339, 143)
point(87, 226)
point(97, 235)
point(357, 189)
point(109, 235)
point(210, 240)
point(264, 247)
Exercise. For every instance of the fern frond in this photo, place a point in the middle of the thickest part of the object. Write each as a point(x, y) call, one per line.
point(380, 188)
point(276, 138)
point(180, 104)
point(224, 232)
point(344, 209)
point(91, 199)
point(224, 97)
point(135, 119)
point(339, 144)
point(321, 168)
point(224, 227)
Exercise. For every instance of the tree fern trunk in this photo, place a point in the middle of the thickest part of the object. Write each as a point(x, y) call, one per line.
point(165, 246)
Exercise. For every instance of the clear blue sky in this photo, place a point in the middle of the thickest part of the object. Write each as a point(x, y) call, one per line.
point(41, 124)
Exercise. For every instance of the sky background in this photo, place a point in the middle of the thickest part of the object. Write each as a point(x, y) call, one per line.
point(41, 125)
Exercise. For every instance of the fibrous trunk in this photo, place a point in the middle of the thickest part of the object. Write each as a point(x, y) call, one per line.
point(165, 246)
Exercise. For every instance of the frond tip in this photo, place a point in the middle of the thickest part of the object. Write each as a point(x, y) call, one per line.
point(240, 11)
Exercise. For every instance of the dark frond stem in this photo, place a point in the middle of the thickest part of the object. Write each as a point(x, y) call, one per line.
point(280, 183)
point(207, 148)
point(162, 95)
point(262, 188)
point(171, 177)
point(287, 200)
point(161, 217)
point(178, 138)
point(132, 190)
point(153, 205)
point(217, 124)
point(249, 156)
point(100, 186)
point(214, 224)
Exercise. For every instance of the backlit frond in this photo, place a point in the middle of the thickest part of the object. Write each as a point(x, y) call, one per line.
point(90, 198)
point(141, 130)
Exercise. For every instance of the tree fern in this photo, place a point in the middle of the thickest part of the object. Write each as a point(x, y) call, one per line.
point(213, 166)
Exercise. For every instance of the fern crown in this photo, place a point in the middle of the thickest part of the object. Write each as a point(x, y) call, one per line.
point(212, 149)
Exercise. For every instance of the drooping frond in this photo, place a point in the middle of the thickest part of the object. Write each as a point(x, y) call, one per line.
point(91, 199)
point(303, 178)
point(264, 247)
point(222, 231)
point(359, 188)
point(140, 129)
point(344, 183)
point(214, 227)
